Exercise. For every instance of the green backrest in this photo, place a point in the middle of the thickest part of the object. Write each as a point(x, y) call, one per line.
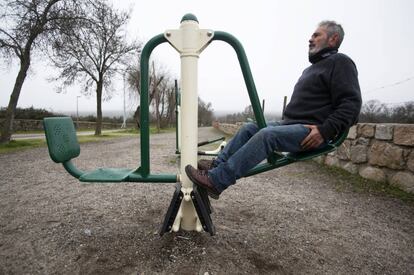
point(61, 138)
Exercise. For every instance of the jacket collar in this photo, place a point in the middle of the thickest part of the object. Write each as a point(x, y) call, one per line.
point(322, 54)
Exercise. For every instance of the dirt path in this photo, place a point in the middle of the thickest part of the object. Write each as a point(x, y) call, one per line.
point(292, 220)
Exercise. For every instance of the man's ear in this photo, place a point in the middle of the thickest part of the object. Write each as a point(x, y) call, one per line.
point(333, 40)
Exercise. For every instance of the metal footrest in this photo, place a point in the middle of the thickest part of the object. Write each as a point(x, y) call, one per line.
point(172, 210)
point(203, 208)
point(201, 204)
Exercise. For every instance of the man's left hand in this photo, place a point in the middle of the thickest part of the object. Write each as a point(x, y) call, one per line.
point(313, 139)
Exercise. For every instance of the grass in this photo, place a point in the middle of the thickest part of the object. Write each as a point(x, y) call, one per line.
point(30, 132)
point(18, 145)
point(356, 183)
point(153, 130)
point(24, 144)
point(92, 138)
point(42, 131)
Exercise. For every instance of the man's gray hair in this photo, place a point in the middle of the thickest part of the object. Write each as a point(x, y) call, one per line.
point(332, 28)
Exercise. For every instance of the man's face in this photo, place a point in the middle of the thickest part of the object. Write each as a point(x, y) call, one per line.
point(318, 41)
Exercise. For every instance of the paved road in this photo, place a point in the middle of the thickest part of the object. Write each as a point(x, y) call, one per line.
point(42, 136)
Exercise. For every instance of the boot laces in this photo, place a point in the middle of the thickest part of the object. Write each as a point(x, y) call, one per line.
point(202, 172)
point(211, 165)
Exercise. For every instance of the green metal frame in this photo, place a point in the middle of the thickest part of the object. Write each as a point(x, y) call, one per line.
point(144, 170)
point(63, 145)
point(247, 74)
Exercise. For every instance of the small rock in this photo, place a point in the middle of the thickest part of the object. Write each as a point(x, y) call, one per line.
point(372, 173)
point(404, 180)
point(172, 258)
point(88, 232)
point(321, 261)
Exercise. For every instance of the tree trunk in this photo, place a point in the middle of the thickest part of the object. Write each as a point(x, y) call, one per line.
point(157, 111)
point(171, 107)
point(98, 128)
point(14, 97)
point(137, 117)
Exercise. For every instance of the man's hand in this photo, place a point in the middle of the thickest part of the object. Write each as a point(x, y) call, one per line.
point(313, 139)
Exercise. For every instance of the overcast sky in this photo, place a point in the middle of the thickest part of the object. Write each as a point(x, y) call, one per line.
point(378, 37)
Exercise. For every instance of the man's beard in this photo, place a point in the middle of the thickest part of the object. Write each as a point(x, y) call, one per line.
point(315, 50)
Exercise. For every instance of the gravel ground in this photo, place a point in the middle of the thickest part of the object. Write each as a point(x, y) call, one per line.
point(292, 220)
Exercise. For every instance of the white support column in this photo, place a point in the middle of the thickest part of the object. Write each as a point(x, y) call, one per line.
point(189, 41)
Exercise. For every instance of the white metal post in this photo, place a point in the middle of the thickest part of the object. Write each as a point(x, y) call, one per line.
point(189, 41)
point(124, 114)
point(77, 111)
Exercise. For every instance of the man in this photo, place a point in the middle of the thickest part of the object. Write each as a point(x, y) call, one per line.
point(326, 101)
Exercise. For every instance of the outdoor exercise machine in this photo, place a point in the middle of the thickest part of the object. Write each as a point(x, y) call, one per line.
point(178, 131)
point(190, 206)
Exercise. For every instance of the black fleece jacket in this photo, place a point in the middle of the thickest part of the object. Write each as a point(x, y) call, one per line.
point(326, 95)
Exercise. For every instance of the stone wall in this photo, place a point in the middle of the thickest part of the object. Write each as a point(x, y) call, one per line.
point(380, 152)
point(228, 129)
point(32, 125)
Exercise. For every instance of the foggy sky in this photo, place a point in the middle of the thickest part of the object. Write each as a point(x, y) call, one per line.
point(275, 34)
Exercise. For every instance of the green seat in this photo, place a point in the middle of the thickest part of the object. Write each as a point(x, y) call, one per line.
point(61, 138)
point(63, 146)
point(106, 175)
point(331, 146)
point(277, 159)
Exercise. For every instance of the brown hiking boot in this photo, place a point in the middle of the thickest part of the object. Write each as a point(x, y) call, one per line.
point(201, 179)
point(205, 164)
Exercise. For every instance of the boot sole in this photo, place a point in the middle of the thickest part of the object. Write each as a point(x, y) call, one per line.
point(210, 193)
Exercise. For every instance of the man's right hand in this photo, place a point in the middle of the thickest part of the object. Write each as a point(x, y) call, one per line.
point(313, 140)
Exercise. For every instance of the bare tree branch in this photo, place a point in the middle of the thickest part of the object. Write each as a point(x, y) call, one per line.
point(26, 26)
point(93, 49)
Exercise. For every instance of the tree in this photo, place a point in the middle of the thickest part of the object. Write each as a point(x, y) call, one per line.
point(374, 111)
point(404, 113)
point(92, 50)
point(171, 106)
point(205, 113)
point(162, 97)
point(248, 113)
point(157, 80)
point(27, 25)
point(159, 83)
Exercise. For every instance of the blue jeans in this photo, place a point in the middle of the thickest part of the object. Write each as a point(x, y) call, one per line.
point(252, 145)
